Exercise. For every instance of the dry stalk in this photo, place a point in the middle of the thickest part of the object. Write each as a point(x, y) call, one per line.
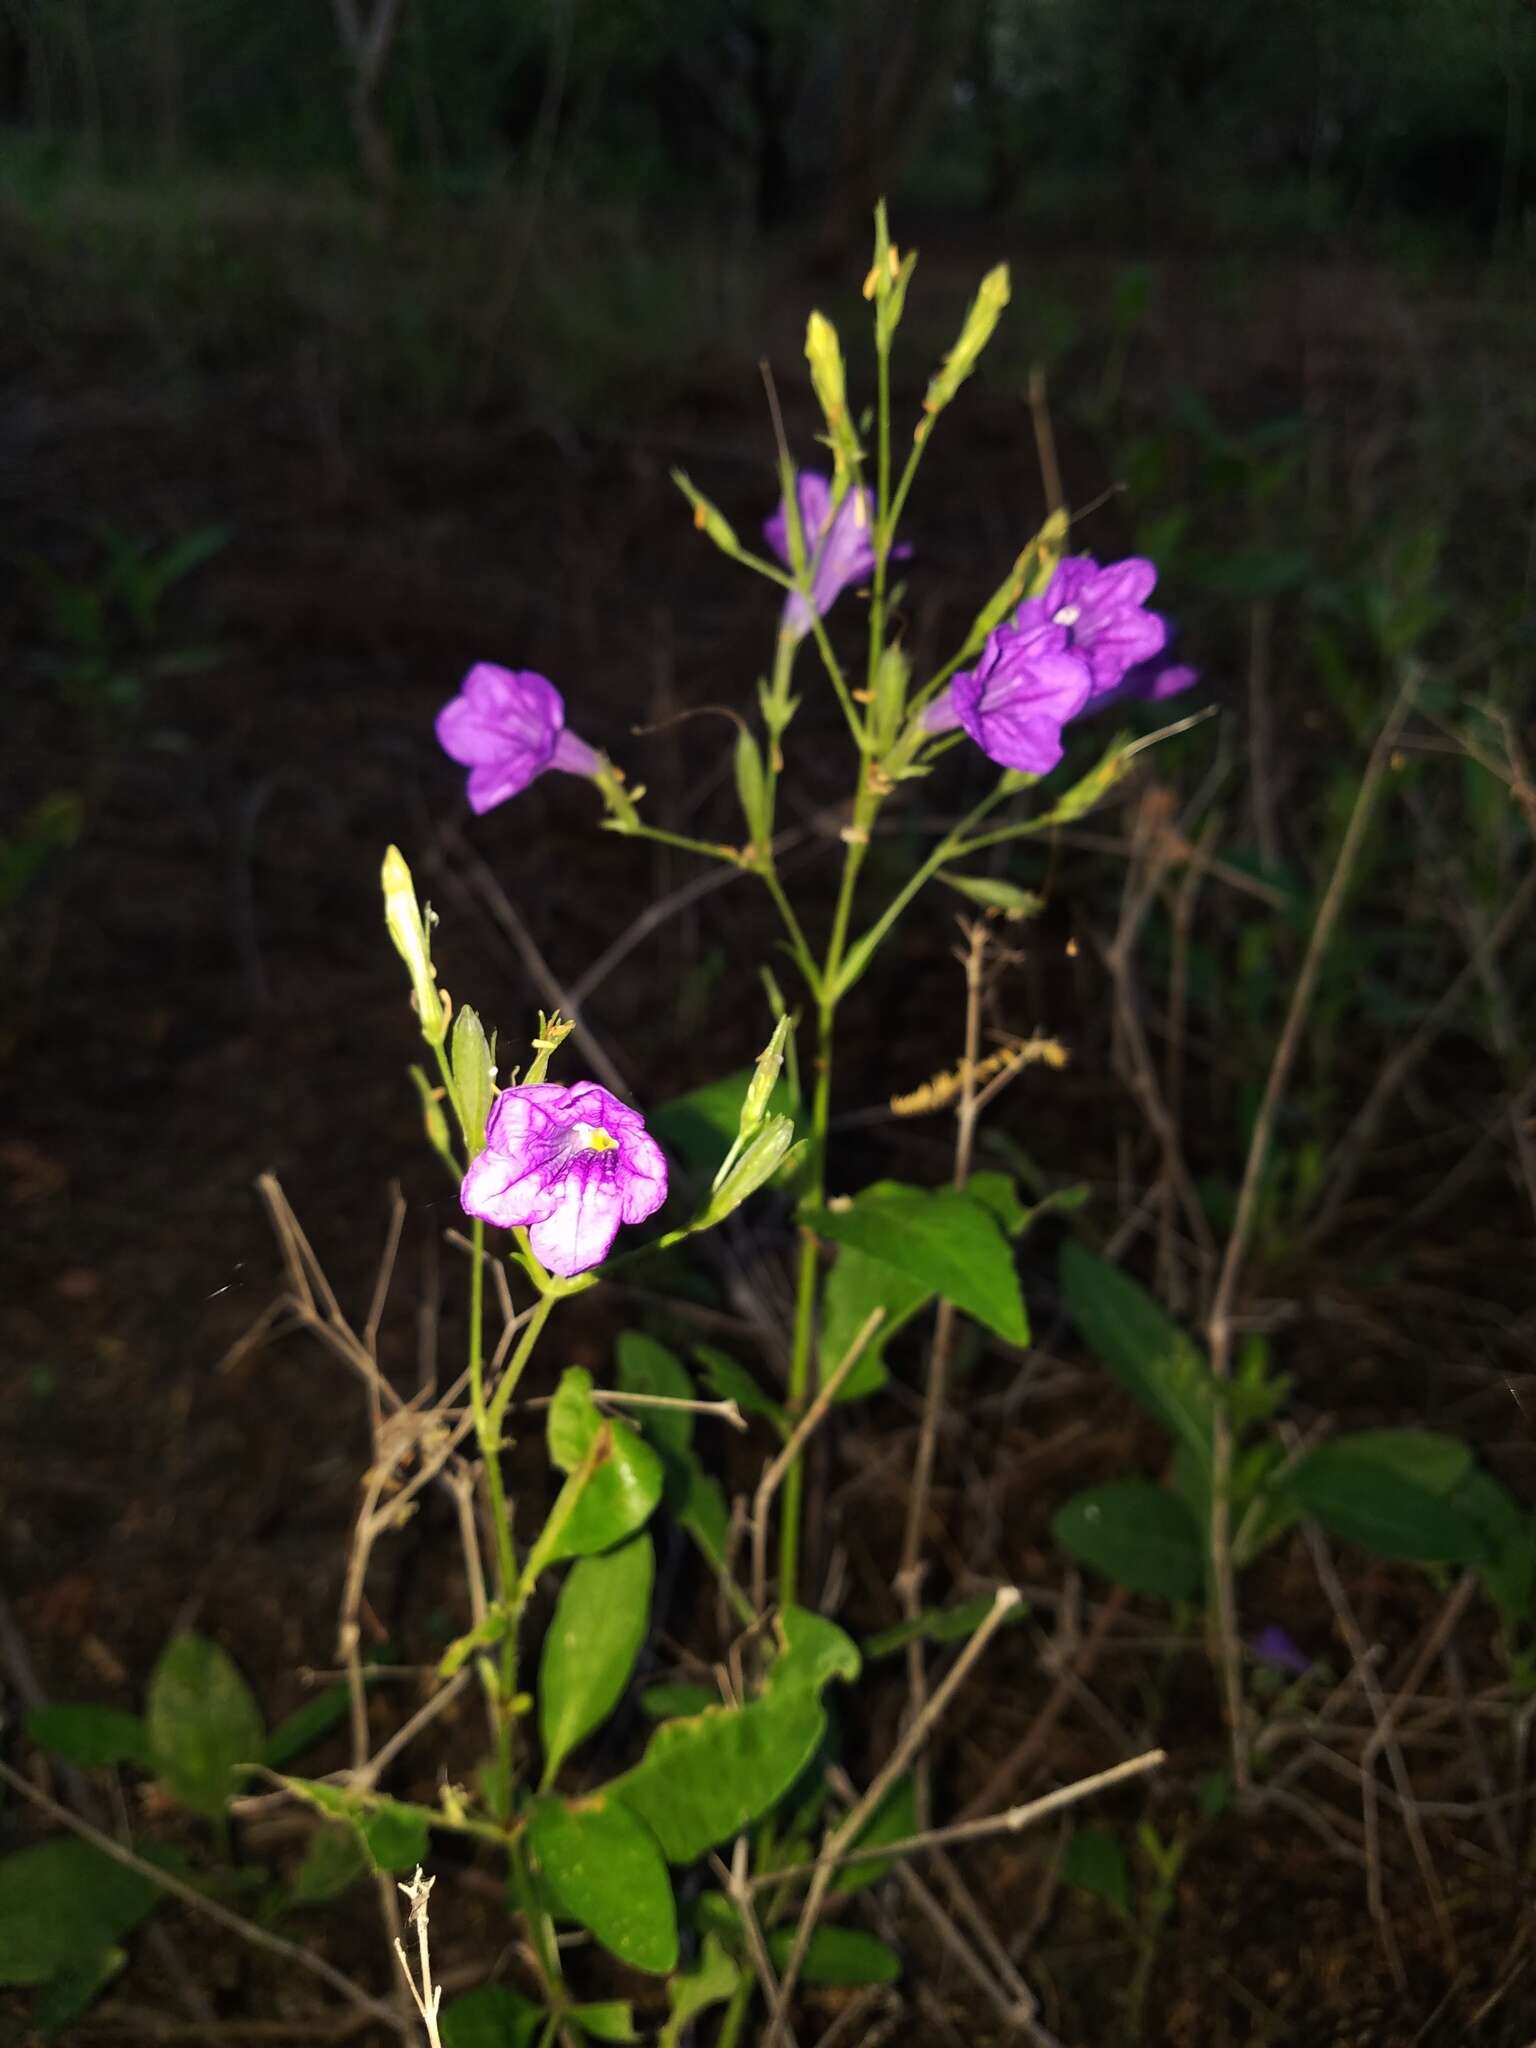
point(1220, 1323)
point(773, 1478)
point(426, 1995)
point(909, 1578)
point(850, 1827)
point(247, 1930)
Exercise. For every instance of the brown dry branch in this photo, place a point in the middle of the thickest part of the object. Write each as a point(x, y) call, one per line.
point(1220, 1324)
point(425, 1995)
point(848, 1829)
point(248, 1931)
point(909, 1578)
point(773, 1478)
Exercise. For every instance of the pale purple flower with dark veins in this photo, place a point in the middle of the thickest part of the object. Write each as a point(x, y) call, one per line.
point(1104, 612)
point(568, 1165)
point(1014, 703)
point(838, 546)
point(507, 726)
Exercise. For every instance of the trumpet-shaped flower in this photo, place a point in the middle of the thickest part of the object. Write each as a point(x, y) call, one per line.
point(568, 1165)
point(839, 547)
point(1028, 683)
point(507, 726)
point(1104, 614)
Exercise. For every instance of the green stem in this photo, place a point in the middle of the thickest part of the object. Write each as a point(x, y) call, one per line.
point(708, 848)
point(736, 2011)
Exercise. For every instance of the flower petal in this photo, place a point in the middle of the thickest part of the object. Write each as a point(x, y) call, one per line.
point(581, 1226)
point(643, 1173)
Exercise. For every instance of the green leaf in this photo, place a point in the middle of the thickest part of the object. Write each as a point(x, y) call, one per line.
point(305, 1726)
point(593, 1640)
point(893, 1820)
point(855, 1285)
point(203, 1724)
point(1095, 1862)
point(606, 1870)
point(1355, 1496)
point(491, 2017)
point(940, 1625)
point(1137, 1534)
point(999, 1193)
point(615, 1478)
point(694, 1495)
point(1424, 1456)
point(705, 1778)
point(994, 894)
point(666, 1702)
point(62, 1903)
point(333, 1862)
point(838, 1955)
point(70, 1995)
point(691, 1992)
point(393, 1833)
point(1149, 1355)
point(91, 1737)
point(946, 1239)
point(647, 1367)
point(728, 1381)
point(611, 2020)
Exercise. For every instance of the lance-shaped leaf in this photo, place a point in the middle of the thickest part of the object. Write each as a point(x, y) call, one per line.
point(92, 1737)
point(492, 2016)
point(937, 1235)
point(1149, 1355)
point(856, 1284)
point(1365, 1499)
point(598, 1626)
point(605, 1869)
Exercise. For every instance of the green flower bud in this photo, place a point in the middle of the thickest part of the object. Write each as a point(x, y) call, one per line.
point(409, 929)
point(474, 1078)
point(755, 1164)
point(980, 324)
point(825, 356)
point(707, 517)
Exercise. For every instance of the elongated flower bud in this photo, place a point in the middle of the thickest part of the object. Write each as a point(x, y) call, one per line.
point(408, 928)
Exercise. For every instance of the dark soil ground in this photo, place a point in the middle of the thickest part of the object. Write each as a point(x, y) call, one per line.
point(203, 993)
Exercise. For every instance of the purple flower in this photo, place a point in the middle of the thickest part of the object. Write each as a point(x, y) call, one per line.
point(568, 1165)
point(1150, 682)
point(1272, 1645)
point(1014, 703)
point(1103, 611)
point(507, 726)
point(838, 547)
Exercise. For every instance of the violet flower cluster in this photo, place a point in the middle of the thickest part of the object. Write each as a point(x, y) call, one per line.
point(1088, 641)
point(568, 1165)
